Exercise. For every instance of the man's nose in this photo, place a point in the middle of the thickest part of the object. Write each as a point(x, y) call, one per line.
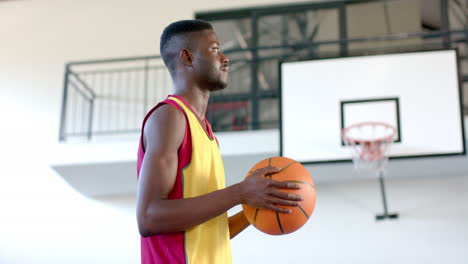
point(224, 59)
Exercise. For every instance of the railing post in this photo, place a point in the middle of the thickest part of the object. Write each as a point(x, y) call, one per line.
point(145, 92)
point(343, 30)
point(63, 117)
point(445, 22)
point(90, 118)
point(466, 27)
point(254, 95)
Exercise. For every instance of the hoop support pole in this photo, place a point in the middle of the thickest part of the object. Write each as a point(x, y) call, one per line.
point(384, 201)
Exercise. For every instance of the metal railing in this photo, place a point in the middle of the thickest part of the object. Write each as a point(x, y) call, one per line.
point(111, 96)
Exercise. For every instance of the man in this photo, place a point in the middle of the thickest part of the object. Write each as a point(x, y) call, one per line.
point(182, 199)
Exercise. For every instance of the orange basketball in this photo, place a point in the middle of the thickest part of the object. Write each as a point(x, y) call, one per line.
point(274, 223)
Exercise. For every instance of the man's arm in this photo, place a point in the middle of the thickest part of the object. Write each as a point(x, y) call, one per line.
point(163, 134)
point(237, 223)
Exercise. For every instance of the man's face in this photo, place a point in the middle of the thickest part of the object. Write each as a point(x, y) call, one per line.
point(210, 65)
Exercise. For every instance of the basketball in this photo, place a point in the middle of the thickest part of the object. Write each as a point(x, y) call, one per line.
point(275, 223)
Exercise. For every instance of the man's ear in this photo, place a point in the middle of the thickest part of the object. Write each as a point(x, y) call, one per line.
point(186, 57)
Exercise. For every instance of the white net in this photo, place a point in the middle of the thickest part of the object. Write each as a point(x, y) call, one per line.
point(370, 143)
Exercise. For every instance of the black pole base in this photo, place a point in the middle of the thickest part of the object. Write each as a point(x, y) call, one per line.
point(386, 216)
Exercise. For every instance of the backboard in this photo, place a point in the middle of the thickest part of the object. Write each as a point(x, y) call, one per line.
point(418, 93)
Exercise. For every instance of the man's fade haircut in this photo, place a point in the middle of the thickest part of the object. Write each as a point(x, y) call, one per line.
point(169, 48)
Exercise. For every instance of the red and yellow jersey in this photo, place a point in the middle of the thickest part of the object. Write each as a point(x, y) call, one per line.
point(200, 171)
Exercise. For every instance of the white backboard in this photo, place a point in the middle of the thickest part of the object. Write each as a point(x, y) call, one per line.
point(418, 93)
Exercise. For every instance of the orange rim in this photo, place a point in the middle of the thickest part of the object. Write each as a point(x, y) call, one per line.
point(353, 141)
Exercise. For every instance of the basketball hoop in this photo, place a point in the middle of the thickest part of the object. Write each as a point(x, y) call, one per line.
point(370, 143)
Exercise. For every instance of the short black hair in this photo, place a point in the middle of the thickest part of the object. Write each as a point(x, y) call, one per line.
point(169, 49)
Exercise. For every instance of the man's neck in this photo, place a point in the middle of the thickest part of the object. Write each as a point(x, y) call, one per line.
point(195, 97)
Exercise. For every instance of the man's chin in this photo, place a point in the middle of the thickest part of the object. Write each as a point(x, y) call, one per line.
point(223, 86)
point(218, 86)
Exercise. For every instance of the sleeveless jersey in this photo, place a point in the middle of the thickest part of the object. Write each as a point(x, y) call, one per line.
point(200, 171)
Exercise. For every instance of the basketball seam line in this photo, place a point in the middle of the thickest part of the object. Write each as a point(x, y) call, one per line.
point(287, 166)
point(282, 169)
point(303, 211)
point(303, 182)
point(270, 175)
point(279, 223)
point(255, 217)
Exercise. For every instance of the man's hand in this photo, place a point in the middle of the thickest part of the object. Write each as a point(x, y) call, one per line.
point(259, 191)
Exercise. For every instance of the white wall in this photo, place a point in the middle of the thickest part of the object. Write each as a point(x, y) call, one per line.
point(43, 219)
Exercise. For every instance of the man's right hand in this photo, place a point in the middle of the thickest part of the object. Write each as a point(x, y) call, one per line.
point(259, 191)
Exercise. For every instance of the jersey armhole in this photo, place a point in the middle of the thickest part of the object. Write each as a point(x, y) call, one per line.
point(172, 103)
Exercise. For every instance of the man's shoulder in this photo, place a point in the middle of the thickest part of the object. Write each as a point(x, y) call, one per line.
point(165, 113)
point(164, 124)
